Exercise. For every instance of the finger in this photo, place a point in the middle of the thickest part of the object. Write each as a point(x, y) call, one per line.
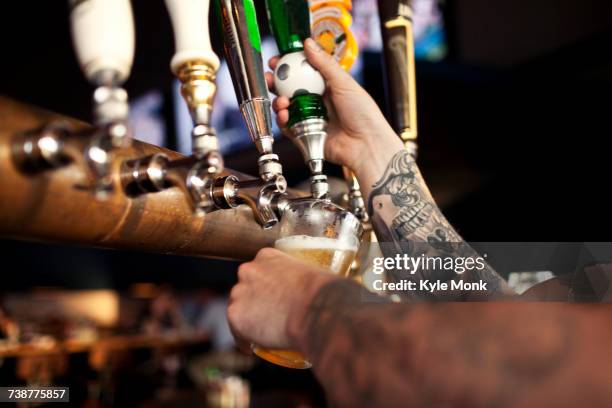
point(332, 115)
point(273, 62)
point(266, 253)
point(331, 109)
point(270, 82)
point(243, 344)
point(326, 64)
point(236, 292)
point(281, 103)
point(282, 118)
point(244, 271)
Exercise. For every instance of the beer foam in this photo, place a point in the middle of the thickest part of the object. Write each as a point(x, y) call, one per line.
point(307, 242)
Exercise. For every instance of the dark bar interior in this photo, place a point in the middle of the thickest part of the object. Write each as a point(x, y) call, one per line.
point(513, 142)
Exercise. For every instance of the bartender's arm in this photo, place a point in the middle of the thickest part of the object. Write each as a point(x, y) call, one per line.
point(404, 214)
point(368, 352)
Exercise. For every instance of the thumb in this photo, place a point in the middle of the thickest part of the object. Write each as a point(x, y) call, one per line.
point(327, 65)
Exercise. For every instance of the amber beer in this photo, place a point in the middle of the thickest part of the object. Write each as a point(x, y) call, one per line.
point(334, 255)
point(329, 253)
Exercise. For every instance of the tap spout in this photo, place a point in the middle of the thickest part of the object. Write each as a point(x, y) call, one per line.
point(259, 195)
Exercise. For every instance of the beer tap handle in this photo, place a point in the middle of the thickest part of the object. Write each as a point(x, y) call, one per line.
point(242, 48)
point(103, 37)
point(296, 79)
point(398, 41)
point(191, 36)
point(196, 65)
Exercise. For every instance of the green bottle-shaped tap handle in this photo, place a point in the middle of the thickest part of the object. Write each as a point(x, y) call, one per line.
point(294, 77)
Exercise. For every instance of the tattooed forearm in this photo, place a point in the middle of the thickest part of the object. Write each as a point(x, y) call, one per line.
point(407, 220)
point(368, 353)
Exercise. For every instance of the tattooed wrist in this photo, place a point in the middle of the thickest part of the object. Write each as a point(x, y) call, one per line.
point(401, 161)
point(404, 214)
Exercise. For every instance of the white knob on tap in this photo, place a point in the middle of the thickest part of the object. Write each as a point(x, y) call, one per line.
point(294, 76)
point(103, 37)
point(191, 36)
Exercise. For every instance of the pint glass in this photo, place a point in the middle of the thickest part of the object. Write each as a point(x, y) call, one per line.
point(322, 234)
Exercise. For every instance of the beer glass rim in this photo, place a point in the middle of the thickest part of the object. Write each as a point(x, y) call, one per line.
point(348, 217)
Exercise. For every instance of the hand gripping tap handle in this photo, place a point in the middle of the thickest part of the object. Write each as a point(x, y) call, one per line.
point(242, 48)
point(296, 79)
point(103, 37)
point(332, 18)
point(196, 66)
point(400, 78)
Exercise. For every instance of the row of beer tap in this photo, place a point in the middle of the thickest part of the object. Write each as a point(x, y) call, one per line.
point(103, 37)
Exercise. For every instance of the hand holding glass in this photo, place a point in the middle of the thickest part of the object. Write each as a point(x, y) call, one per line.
point(322, 234)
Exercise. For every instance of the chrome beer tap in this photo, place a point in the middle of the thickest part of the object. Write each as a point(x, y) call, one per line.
point(242, 49)
point(103, 37)
point(296, 79)
point(195, 65)
point(157, 172)
point(355, 201)
point(198, 175)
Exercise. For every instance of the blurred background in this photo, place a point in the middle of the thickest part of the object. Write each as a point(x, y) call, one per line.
point(514, 127)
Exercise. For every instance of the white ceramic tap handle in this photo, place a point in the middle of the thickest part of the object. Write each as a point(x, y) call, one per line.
point(103, 37)
point(191, 33)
